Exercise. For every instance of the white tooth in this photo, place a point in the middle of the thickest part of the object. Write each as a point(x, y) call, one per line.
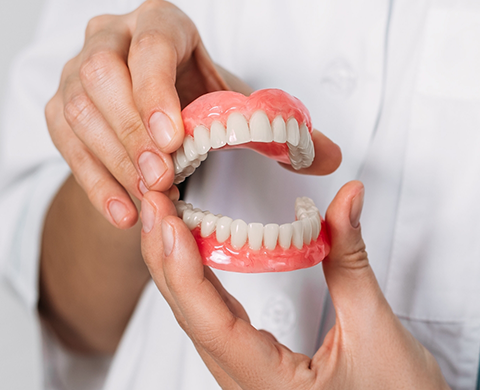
point(187, 214)
point(187, 171)
point(176, 165)
point(218, 138)
point(195, 163)
point(179, 179)
point(307, 231)
point(239, 231)
point(293, 132)
point(297, 237)
point(279, 130)
point(203, 157)
point(194, 219)
point(181, 158)
point(285, 233)
point(208, 225)
point(270, 236)
point(181, 206)
point(255, 235)
point(189, 147)
point(304, 137)
point(201, 136)
point(260, 128)
point(223, 229)
point(315, 221)
point(237, 129)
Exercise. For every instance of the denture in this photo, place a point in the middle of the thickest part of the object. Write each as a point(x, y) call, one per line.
point(277, 125)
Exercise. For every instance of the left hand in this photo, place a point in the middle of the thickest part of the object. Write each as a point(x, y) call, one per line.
point(368, 348)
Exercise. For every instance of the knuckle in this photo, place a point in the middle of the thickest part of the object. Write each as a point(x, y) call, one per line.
point(96, 67)
point(130, 131)
point(78, 109)
point(148, 39)
point(98, 23)
point(357, 258)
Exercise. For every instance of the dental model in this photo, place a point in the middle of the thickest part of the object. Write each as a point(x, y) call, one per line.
point(274, 124)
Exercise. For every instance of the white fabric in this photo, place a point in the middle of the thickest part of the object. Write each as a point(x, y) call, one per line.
point(395, 84)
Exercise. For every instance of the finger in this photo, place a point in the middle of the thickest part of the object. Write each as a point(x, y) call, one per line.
point(328, 157)
point(249, 357)
point(106, 80)
point(163, 40)
point(355, 292)
point(94, 131)
point(105, 193)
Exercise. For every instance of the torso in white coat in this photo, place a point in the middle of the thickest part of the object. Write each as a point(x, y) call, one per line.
point(396, 85)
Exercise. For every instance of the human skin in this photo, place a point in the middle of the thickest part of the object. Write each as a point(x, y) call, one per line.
point(91, 272)
point(367, 348)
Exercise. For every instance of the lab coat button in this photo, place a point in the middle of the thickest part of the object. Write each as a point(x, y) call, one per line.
point(339, 79)
point(278, 315)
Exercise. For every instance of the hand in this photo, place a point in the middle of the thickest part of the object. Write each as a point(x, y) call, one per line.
point(367, 348)
point(117, 113)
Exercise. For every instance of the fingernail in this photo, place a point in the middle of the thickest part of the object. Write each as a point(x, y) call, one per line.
point(168, 238)
point(152, 167)
point(162, 129)
point(356, 209)
point(148, 216)
point(142, 188)
point(118, 211)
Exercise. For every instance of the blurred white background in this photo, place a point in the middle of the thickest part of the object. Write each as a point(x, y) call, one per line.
point(19, 346)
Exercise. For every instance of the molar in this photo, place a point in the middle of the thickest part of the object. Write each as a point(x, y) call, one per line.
point(223, 229)
point(237, 129)
point(193, 218)
point(201, 137)
point(239, 232)
point(270, 236)
point(218, 138)
point(255, 235)
point(279, 130)
point(285, 233)
point(260, 128)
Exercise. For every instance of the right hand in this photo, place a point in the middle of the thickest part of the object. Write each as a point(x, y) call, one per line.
point(116, 116)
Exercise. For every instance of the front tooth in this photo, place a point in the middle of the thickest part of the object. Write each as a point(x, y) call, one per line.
point(239, 231)
point(285, 233)
point(297, 237)
point(316, 226)
point(201, 137)
point(260, 128)
point(307, 231)
point(189, 147)
point(255, 235)
point(279, 130)
point(223, 229)
point(304, 137)
point(218, 138)
point(270, 236)
point(208, 225)
point(237, 129)
point(293, 132)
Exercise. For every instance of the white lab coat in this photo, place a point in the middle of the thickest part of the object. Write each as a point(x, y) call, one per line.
point(394, 83)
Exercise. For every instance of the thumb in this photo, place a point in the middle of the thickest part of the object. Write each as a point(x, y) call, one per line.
point(353, 287)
